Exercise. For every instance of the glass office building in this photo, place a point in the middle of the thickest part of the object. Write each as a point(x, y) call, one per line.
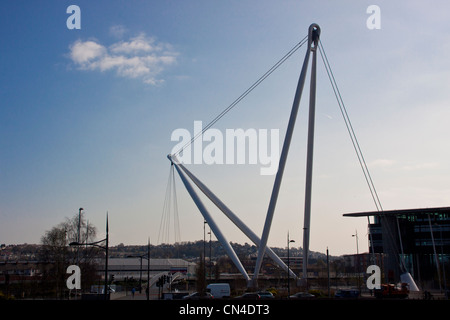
point(412, 240)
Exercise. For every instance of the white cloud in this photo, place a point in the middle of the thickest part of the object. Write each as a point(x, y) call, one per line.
point(135, 45)
point(118, 31)
point(420, 166)
point(83, 52)
point(382, 163)
point(140, 57)
point(387, 163)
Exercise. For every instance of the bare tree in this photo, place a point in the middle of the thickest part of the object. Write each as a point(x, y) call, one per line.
point(87, 231)
point(56, 250)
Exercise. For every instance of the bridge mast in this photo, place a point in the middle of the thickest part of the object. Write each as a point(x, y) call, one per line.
point(313, 39)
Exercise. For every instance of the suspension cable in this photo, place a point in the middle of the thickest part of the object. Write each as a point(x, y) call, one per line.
point(176, 221)
point(246, 92)
point(170, 206)
point(166, 210)
point(350, 129)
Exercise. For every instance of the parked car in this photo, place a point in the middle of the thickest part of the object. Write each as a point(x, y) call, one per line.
point(249, 296)
point(302, 295)
point(219, 290)
point(198, 296)
point(265, 295)
point(347, 293)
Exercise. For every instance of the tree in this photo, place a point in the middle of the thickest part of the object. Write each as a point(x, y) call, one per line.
point(56, 251)
point(87, 231)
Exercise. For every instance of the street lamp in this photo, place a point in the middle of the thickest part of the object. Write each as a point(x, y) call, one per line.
point(357, 258)
point(79, 223)
point(289, 280)
point(147, 257)
point(79, 232)
point(140, 268)
point(210, 264)
point(204, 249)
point(96, 244)
point(148, 269)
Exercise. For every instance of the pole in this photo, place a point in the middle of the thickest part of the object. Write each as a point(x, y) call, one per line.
point(79, 224)
point(210, 254)
point(78, 233)
point(288, 261)
point(374, 260)
point(328, 273)
point(313, 41)
point(357, 259)
point(148, 271)
point(204, 250)
point(87, 232)
point(140, 275)
point(106, 258)
point(283, 158)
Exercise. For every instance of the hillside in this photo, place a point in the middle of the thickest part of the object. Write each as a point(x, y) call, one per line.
point(184, 250)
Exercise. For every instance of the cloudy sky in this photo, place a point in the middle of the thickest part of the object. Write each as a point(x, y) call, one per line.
point(86, 115)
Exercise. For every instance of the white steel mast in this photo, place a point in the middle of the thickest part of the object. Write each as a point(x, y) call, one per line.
point(313, 39)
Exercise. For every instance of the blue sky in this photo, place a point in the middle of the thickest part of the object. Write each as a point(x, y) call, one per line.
point(86, 115)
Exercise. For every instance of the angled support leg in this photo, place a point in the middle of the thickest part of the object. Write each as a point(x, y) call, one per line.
point(234, 218)
point(214, 227)
point(313, 30)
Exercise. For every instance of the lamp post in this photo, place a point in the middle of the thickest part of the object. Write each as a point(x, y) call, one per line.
point(79, 232)
point(105, 247)
point(357, 258)
point(79, 224)
point(140, 268)
point(210, 264)
point(288, 263)
point(147, 257)
point(148, 269)
point(204, 249)
point(328, 273)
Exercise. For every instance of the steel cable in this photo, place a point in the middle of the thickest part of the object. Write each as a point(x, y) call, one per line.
point(246, 92)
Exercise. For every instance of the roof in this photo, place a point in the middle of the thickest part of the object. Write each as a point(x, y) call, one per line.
point(399, 212)
point(157, 262)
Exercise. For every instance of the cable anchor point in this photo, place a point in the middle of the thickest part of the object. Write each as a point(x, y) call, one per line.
point(313, 36)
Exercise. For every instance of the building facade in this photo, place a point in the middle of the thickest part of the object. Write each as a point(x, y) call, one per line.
point(412, 240)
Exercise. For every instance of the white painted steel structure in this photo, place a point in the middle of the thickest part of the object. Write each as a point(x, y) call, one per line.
point(313, 40)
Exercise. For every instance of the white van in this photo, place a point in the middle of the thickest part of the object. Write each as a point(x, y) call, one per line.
point(219, 290)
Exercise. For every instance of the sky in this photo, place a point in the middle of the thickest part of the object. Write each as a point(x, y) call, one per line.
point(86, 115)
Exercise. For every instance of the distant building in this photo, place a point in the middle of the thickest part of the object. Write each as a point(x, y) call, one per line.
point(417, 240)
point(20, 271)
point(123, 268)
